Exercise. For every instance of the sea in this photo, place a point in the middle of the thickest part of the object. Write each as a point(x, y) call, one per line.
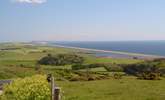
point(156, 48)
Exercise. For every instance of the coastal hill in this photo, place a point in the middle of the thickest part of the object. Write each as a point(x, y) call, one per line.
point(111, 76)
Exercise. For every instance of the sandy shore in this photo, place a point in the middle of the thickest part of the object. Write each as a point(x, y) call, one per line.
point(113, 52)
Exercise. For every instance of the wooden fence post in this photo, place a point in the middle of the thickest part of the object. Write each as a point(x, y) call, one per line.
point(52, 88)
point(56, 93)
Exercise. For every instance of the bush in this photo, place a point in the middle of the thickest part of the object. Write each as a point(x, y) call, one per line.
point(78, 78)
point(149, 76)
point(140, 68)
point(108, 67)
point(49, 60)
point(61, 59)
point(90, 77)
point(113, 68)
point(78, 66)
point(30, 88)
point(146, 70)
point(84, 66)
point(117, 76)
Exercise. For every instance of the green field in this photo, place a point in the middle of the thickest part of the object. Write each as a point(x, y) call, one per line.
point(128, 88)
point(19, 60)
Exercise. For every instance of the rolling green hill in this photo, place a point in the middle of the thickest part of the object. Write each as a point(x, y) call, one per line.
point(20, 60)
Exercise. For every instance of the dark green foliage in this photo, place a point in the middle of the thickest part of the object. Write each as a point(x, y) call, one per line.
point(108, 67)
point(44, 51)
point(113, 68)
point(139, 68)
point(148, 70)
point(61, 59)
point(155, 65)
point(149, 76)
point(162, 72)
point(84, 66)
point(48, 60)
point(78, 67)
point(91, 77)
point(78, 78)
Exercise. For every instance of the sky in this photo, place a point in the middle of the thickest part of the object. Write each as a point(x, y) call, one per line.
point(82, 20)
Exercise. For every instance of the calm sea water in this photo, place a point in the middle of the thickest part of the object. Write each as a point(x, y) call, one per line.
point(143, 47)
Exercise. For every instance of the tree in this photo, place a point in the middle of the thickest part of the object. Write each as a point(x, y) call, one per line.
point(61, 59)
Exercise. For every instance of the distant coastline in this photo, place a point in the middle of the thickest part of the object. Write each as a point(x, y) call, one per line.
point(129, 54)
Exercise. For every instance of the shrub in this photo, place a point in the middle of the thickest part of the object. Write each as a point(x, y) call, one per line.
point(29, 88)
point(85, 66)
point(149, 76)
point(113, 68)
point(117, 76)
point(140, 68)
point(146, 70)
point(78, 78)
point(61, 59)
point(78, 66)
point(108, 67)
point(90, 77)
point(48, 60)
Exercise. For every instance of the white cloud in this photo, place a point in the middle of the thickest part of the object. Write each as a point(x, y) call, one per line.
point(31, 1)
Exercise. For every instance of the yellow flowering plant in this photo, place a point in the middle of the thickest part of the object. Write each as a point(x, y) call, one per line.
point(29, 88)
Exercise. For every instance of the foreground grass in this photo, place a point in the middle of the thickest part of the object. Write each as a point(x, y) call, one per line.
point(128, 88)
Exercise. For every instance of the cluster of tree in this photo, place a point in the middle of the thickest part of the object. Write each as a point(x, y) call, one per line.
point(147, 66)
point(61, 59)
point(150, 70)
point(138, 68)
point(109, 67)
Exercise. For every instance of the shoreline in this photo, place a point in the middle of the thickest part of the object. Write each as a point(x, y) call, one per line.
point(129, 54)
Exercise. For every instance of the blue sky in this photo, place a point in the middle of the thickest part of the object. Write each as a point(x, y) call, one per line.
point(82, 20)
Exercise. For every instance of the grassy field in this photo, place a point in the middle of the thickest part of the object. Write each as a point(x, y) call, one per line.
point(19, 60)
point(128, 88)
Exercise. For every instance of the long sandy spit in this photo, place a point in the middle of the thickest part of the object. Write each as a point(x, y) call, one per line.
point(113, 52)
